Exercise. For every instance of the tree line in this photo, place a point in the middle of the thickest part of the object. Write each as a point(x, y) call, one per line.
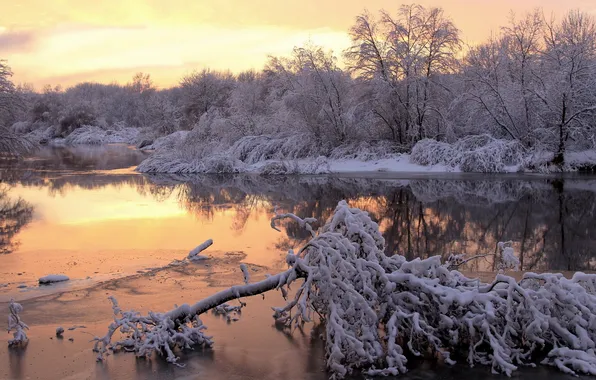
point(407, 77)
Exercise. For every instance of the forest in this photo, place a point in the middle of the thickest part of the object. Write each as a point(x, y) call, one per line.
point(524, 100)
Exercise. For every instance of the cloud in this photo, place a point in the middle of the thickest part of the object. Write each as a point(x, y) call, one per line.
point(70, 51)
point(16, 41)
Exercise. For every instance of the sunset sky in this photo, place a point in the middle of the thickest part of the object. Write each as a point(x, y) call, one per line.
point(69, 41)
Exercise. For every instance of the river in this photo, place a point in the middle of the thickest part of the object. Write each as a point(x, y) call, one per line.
point(85, 213)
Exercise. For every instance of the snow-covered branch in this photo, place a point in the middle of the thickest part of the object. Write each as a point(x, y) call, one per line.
point(303, 223)
point(16, 325)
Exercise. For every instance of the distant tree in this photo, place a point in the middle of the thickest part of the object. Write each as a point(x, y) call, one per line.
point(8, 96)
point(569, 82)
point(317, 95)
point(403, 56)
point(142, 83)
point(202, 91)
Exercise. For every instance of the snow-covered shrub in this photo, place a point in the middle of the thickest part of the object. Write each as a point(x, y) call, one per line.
point(221, 164)
point(279, 168)
point(253, 149)
point(86, 135)
point(175, 162)
point(93, 135)
point(320, 165)
point(485, 154)
point(21, 127)
point(377, 310)
point(171, 141)
point(14, 145)
point(128, 136)
point(431, 152)
point(42, 134)
point(508, 258)
point(16, 325)
point(478, 153)
point(76, 117)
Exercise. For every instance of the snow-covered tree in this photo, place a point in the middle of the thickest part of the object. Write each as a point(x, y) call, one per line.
point(569, 63)
point(204, 91)
point(317, 94)
point(403, 57)
point(377, 310)
point(10, 143)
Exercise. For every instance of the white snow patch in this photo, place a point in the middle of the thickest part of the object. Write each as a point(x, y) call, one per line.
point(194, 254)
point(49, 279)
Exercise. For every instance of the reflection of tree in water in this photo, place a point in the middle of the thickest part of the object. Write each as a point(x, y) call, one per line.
point(14, 215)
point(551, 228)
point(550, 222)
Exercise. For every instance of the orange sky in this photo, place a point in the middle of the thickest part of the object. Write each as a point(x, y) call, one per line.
point(68, 41)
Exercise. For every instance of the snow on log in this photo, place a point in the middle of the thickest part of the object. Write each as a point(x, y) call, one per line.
point(245, 273)
point(49, 279)
point(194, 254)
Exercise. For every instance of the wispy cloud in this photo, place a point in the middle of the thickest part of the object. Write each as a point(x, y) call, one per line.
point(45, 40)
point(73, 50)
point(16, 41)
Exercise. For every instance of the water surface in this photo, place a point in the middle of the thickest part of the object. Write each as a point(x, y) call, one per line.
point(87, 214)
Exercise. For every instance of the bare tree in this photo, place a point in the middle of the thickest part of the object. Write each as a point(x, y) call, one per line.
point(10, 143)
point(570, 78)
point(407, 52)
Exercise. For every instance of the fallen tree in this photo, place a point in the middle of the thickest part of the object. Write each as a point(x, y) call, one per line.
point(379, 309)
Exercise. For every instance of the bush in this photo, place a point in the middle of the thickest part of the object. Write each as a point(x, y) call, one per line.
point(253, 149)
point(478, 154)
point(278, 168)
point(430, 152)
point(87, 135)
point(75, 118)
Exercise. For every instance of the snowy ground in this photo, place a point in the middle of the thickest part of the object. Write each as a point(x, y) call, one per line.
point(397, 164)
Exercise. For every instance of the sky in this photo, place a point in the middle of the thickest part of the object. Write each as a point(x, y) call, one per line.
point(69, 41)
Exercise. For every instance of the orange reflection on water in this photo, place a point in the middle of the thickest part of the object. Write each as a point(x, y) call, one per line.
point(117, 230)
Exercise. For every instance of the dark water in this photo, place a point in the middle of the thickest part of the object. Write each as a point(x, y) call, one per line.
point(86, 213)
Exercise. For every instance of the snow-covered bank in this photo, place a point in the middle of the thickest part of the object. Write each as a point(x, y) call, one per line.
point(168, 162)
point(52, 278)
point(267, 155)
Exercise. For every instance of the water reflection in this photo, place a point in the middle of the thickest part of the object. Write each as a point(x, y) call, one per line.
point(14, 215)
point(551, 221)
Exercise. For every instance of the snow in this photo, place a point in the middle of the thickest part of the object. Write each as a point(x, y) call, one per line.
point(170, 162)
point(509, 260)
point(474, 153)
point(92, 135)
point(194, 254)
point(199, 258)
point(245, 273)
point(167, 142)
point(396, 164)
point(49, 279)
point(16, 325)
